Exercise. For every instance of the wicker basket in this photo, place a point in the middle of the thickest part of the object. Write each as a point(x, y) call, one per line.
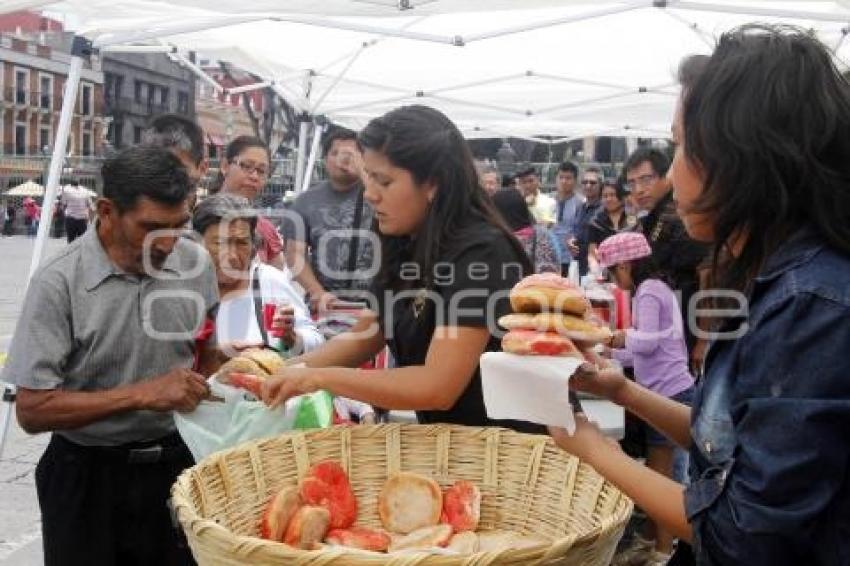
point(528, 485)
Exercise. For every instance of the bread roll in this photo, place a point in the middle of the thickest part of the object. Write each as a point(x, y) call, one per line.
point(279, 512)
point(462, 506)
point(408, 502)
point(239, 364)
point(307, 527)
point(543, 299)
point(572, 327)
point(269, 360)
point(421, 539)
point(326, 484)
point(534, 343)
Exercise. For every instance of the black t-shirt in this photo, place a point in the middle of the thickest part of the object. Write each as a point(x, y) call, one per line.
point(601, 226)
point(471, 286)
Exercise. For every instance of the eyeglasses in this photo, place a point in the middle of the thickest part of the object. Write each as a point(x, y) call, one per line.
point(642, 181)
point(589, 182)
point(248, 168)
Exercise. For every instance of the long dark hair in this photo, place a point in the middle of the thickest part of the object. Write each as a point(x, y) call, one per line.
point(767, 119)
point(647, 268)
point(427, 144)
point(513, 208)
point(234, 150)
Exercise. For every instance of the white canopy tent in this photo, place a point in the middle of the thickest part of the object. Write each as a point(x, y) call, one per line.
point(521, 68)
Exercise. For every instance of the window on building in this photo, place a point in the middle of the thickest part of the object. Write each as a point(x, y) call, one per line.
point(20, 139)
point(183, 102)
point(117, 86)
point(137, 91)
point(21, 87)
point(88, 103)
point(45, 93)
point(137, 134)
point(44, 139)
point(151, 96)
point(87, 143)
point(117, 134)
point(163, 96)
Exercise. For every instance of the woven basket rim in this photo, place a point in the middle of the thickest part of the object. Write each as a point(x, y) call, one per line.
point(190, 518)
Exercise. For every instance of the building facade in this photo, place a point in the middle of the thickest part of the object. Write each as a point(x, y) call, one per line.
point(33, 70)
point(140, 86)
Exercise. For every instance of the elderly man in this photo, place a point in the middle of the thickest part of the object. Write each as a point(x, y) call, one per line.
point(102, 354)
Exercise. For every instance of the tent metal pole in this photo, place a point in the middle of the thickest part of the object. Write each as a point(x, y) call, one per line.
point(581, 81)
point(79, 52)
point(703, 36)
point(296, 101)
point(482, 82)
point(140, 49)
point(197, 71)
point(6, 404)
point(371, 42)
point(157, 29)
point(339, 77)
point(577, 103)
point(161, 29)
point(248, 88)
point(314, 151)
point(627, 7)
point(303, 129)
point(370, 103)
point(504, 109)
point(754, 11)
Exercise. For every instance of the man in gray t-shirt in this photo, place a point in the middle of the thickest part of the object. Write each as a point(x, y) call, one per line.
point(102, 355)
point(329, 232)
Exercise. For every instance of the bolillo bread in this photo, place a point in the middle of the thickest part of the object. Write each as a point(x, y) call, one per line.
point(408, 502)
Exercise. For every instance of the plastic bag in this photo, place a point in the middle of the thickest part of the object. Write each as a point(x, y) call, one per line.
point(216, 425)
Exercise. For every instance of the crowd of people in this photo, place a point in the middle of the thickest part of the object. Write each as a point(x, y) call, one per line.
point(744, 413)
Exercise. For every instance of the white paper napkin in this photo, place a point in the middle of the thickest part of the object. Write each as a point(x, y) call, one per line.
point(529, 388)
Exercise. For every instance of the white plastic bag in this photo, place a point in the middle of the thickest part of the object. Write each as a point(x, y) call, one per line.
point(216, 425)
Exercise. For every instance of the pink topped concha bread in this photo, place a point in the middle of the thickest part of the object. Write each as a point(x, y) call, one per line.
point(547, 292)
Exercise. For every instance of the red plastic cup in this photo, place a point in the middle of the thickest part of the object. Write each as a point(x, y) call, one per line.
point(269, 309)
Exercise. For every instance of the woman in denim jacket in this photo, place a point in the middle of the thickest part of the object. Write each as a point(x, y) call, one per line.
point(762, 170)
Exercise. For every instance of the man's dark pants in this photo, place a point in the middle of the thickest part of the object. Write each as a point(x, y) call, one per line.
point(75, 227)
point(107, 506)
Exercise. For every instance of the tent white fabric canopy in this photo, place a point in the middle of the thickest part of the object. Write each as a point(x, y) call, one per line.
point(524, 68)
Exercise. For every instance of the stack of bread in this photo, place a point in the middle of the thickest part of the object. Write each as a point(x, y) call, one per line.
point(250, 369)
point(551, 315)
point(415, 515)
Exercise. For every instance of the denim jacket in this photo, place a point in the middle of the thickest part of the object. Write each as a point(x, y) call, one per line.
point(770, 472)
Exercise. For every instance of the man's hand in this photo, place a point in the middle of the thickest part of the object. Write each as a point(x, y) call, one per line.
point(572, 244)
point(322, 302)
point(180, 389)
point(283, 324)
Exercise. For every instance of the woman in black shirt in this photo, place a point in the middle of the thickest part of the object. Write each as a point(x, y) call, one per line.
point(447, 263)
point(611, 219)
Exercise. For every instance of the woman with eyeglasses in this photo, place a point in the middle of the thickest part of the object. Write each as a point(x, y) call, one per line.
point(245, 170)
point(761, 171)
point(611, 219)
